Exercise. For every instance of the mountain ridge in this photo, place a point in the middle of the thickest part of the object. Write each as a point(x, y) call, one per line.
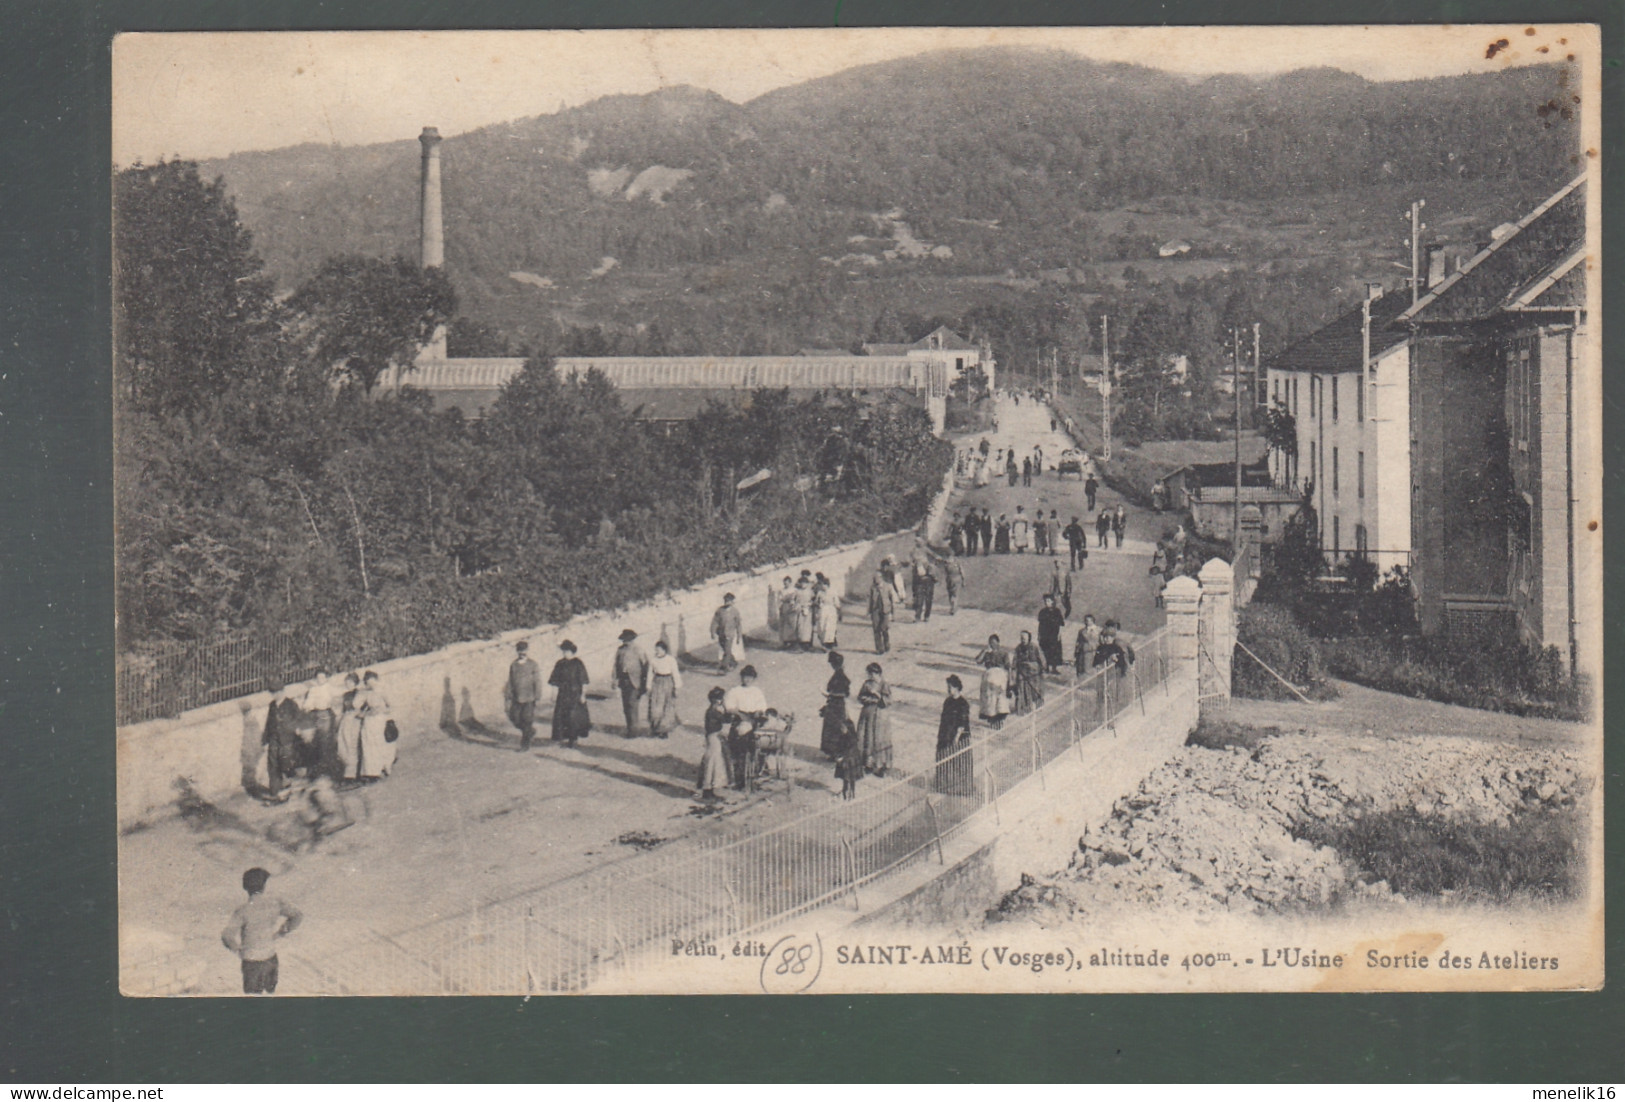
point(1012, 159)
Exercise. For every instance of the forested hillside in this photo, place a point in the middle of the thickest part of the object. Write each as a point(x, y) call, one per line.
point(940, 185)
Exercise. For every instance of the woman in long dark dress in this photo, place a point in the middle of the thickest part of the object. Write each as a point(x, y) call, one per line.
point(570, 719)
point(834, 710)
point(956, 776)
point(1029, 675)
point(1050, 622)
point(1001, 537)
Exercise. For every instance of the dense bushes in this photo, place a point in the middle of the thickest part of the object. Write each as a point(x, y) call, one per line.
point(1273, 635)
point(1536, 854)
point(1131, 475)
point(1369, 634)
point(1491, 671)
point(414, 530)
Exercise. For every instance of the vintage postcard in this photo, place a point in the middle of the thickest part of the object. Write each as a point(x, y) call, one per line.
point(834, 511)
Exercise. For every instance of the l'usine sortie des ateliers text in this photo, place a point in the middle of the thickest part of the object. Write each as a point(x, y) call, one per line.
point(1069, 958)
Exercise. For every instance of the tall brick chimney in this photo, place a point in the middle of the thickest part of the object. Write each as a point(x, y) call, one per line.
point(432, 239)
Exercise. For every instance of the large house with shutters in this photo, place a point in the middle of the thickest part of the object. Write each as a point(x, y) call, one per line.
point(1506, 437)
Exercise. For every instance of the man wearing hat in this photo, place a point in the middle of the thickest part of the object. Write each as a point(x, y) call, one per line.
point(631, 677)
point(524, 690)
point(728, 628)
point(281, 740)
point(253, 931)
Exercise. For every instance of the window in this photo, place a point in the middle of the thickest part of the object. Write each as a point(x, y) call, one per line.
point(1312, 469)
point(1359, 400)
point(1294, 397)
point(1360, 538)
point(1337, 540)
point(1522, 387)
point(1359, 464)
point(1334, 398)
point(959, 363)
point(1334, 466)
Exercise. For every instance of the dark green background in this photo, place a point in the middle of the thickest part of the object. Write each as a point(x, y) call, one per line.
point(61, 1018)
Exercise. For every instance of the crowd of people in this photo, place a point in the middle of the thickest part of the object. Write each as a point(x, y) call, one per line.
point(804, 615)
point(342, 736)
point(740, 729)
point(976, 532)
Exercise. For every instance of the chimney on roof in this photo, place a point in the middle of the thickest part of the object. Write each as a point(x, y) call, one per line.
point(432, 238)
point(1435, 273)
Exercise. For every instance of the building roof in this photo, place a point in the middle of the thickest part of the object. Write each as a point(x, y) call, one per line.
point(464, 373)
point(1539, 243)
point(1560, 287)
point(946, 341)
point(1335, 346)
point(748, 372)
point(949, 341)
point(685, 403)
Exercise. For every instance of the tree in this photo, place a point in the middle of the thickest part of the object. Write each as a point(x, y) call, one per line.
point(193, 311)
point(360, 316)
point(578, 446)
point(1281, 430)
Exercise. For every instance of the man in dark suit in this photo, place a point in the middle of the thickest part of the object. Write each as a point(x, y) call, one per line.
point(281, 740)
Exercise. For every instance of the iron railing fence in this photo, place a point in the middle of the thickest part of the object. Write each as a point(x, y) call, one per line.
point(163, 681)
point(738, 878)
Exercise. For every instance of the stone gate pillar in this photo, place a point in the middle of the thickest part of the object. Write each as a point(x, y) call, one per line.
point(1181, 598)
point(1217, 627)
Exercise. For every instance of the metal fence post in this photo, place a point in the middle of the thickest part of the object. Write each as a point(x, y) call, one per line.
point(936, 830)
point(852, 873)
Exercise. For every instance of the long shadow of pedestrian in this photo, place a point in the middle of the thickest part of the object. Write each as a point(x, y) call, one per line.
point(950, 667)
point(669, 765)
point(468, 727)
point(665, 787)
point(448, 712)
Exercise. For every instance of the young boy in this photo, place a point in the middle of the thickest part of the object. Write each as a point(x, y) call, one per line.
point(849, 760)
point(254, 929)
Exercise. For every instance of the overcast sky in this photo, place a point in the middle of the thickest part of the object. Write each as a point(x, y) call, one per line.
point(208, 94)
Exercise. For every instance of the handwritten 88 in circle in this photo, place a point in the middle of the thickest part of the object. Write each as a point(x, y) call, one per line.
point(792, 965)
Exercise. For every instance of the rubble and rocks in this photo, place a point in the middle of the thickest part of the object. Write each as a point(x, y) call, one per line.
point(1220, 830)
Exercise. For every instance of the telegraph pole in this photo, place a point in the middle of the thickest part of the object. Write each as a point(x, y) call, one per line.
point(1235, 377)
point(1258, 372)
point(1105, 393)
